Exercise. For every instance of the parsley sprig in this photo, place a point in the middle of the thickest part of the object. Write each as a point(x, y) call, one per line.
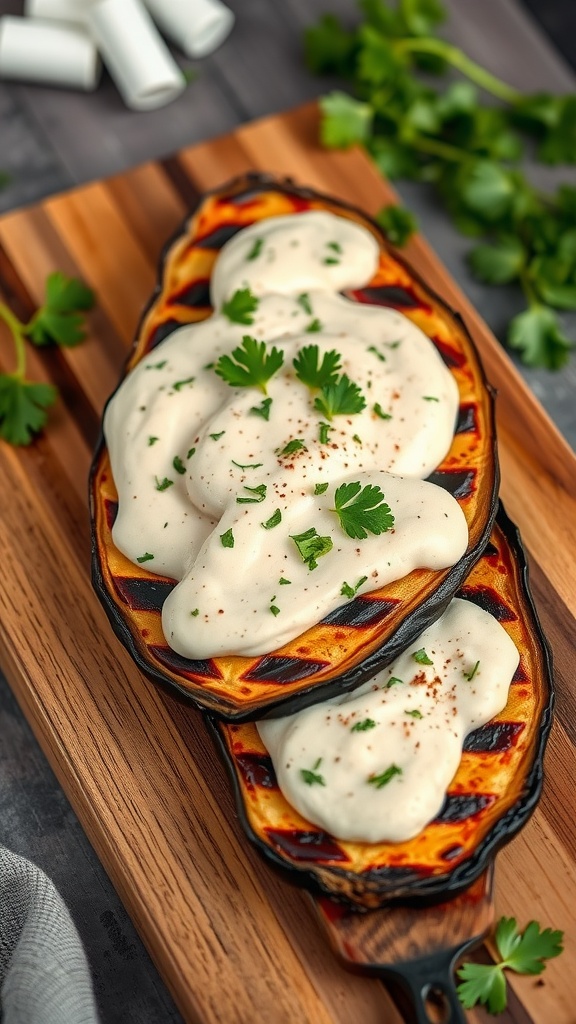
point(362, 510)
point(523, 952)
point(240, 307)
point(469, 149)
point(251, 365)
point(338, 397)
point(312, 371)
point(312, 546)
point(59, 321)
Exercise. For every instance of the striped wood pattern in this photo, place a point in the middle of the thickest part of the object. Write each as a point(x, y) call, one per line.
point(229, 936)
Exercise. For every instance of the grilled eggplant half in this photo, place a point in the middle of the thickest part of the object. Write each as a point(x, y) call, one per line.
point(491, 796)
point(352, 642)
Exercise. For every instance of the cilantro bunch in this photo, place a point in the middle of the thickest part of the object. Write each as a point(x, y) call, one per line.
point(466, 149)
point(60, 321)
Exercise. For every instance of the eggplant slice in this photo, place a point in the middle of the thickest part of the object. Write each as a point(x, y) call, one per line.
point(351, 643)
point(492, 795)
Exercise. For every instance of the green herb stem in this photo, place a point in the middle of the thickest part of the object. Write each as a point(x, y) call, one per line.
point(17, 329)
point(458, 59)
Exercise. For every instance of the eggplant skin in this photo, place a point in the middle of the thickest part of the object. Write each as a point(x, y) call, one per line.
point(491, 797)
point(366, 633)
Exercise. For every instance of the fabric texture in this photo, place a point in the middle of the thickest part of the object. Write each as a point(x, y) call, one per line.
point(44, 976)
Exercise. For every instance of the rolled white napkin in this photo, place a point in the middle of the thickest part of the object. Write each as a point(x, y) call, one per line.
point(39, 51)
point(196, 26)
point(137, 58)
point(71, 11)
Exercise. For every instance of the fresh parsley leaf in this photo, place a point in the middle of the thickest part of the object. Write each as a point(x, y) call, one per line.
point(313, 327)
point(499, 263)
point(414, 714)
point(378, 781)
point(274, 609)
point(313, 372)
point(380, 412)
point(190, 453)
point(163, 485)
point(217, 436)
point(311, 546)
point(397, 223)
point(304, 301)
point(283, 581)
point(259, 492)
point(274, 520)
point(23, 406)
point(470, 675)
point(393, 681)
point(347, 591)
point(181, 383)
point(152, 440)
point(195, 612)
point(375, 352)
point(539, 337)
point(240, 307)
point(263, 409)
point(362, 510)
point(482, 983)
point(340, 397)
point(227, 539)
point(296, 445)
point(250, 365)
point(367, 723)
point(256, 249)
point(178, 465)
point(321, 488)
point(357, 438)
point(147, 557)
point(328, 47)
point(324, 432)
point(61, 319)
point(310, 777)
point(421, 657)
point(156, 366)
point(345, 120)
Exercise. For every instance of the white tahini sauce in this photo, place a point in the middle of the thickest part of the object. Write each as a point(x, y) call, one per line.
point(374, 765)
point(185, 445)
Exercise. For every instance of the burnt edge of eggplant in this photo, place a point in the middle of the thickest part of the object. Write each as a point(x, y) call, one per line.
point(412, 625)
point(423, 890)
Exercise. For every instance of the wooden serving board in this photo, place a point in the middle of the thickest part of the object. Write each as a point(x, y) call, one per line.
point(233, 941)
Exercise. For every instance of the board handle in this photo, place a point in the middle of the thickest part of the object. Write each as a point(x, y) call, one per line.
point(431, 977)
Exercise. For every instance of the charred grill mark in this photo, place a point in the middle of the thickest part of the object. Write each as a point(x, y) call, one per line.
point(460, 483)
point(459, 807)
point(520, 675)
point(388, 295)
point(257, 770)
point(489, 600)
point(360, 612)
point(493, 737)
point(451, 357)
point(143, 595)
point(162, 331)
point(217, 238)
point(466, 421)
point(196, 295)
point(306, 845)
point(490, 551)
point(392, 873)
point(176, 663)
point(281, 669)
point(111, 510)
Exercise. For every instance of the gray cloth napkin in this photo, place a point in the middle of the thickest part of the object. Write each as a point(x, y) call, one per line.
point(44, 977)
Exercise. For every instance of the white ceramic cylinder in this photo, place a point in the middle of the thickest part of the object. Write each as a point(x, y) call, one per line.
point(41, 51)
point(197, 26)
point(71, 11)
point(137, 58)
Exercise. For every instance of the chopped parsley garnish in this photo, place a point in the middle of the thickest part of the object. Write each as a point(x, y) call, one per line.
point(263, 409)
point(380, 412)
point(357, 438)
point(362, 510)
point(145, 558)
point(274, 609)
point(247, 465)
point(163, 485)
point(330, 261)
point(208, 366)
point(241, 306)
point(470, 675)
point(348, 591)
point(385, 777)
point(321, 488)
point(227, 539)
point(414, 714)
point(283, 581)
point(275, 520)
point(311, 546)
point(313, 327)
point(335, 246)
point(304, 301)
point(374, 350)
point(152, 440)
point(191, 452)
point(259, 491)
point(195, 612)
point(430, 398)
point(216, 437)
point(367, 723)
point(393, 344)
point(155, 366)
point(251, 364)
point(310, 777)
point(393, 681)
point(181, 383)
point(313, 372)
point(296, 445)
point(340, 397)
point(256, 249)
point(421, 657)
point(178, 465)
point(323, 435)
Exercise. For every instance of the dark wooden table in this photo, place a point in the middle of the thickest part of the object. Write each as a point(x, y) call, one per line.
point(51, 140)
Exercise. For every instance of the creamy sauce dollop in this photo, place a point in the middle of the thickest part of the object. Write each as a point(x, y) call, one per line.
point(185, 446)
point(374, 765)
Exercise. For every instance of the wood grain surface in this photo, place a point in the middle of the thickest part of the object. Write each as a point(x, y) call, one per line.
point(233, 940)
